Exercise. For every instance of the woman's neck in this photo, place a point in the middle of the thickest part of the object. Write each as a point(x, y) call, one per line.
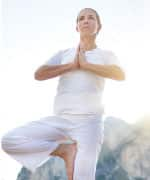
point(88, 43)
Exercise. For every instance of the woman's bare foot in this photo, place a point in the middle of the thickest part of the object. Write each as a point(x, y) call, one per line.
point(68, 153)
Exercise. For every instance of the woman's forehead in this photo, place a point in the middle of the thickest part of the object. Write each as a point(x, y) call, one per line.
point(86, 12)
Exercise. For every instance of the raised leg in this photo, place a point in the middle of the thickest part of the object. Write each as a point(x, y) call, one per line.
point(32, 143)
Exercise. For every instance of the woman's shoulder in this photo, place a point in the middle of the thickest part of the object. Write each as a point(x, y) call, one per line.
point(68, 51)
point(105, 51)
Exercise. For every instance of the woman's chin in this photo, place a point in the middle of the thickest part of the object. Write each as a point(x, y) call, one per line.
point(87, 34)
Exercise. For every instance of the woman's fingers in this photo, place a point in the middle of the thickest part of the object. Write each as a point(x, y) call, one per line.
point(76, 59)
point(78, 48)
point(82, 49)
point(79, 56)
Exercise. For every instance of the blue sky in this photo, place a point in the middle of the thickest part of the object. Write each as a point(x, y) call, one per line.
point(33, 30)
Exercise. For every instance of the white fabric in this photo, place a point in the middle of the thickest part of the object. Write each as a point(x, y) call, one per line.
point(32, 143)
point(78, 109)
point(80, 92)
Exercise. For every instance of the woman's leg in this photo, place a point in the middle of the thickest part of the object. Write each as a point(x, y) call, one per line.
point(89, 139)
point(32, 143)
point(67, 152)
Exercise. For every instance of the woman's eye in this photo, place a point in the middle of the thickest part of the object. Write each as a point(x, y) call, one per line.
point(91, 17)
point(81, 18)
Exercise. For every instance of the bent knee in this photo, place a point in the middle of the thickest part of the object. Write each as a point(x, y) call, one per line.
point(4, 143)
point(8, 141)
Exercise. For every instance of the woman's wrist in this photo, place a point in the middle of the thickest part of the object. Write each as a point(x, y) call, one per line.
point(84, 65)
point(72, 66)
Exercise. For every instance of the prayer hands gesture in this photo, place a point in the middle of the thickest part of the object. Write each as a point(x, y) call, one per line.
point(80, 59)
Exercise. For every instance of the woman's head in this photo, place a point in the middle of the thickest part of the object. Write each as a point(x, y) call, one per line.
point(88, 21)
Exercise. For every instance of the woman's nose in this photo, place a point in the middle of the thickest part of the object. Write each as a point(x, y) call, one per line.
point(86, 21)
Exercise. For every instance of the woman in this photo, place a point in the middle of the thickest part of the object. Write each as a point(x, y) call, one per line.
point(77, 107)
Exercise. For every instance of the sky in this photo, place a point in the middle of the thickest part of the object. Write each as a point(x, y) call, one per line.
point(33, 30)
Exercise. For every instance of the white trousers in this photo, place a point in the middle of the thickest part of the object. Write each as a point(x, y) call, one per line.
point(32, 143)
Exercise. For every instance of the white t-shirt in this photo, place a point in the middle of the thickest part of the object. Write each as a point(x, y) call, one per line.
point(80, 92)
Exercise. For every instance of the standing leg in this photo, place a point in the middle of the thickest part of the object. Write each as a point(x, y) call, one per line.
point(89, 138)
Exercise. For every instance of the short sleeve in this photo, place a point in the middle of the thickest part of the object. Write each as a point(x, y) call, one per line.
point(55, 59)
point(111, 59)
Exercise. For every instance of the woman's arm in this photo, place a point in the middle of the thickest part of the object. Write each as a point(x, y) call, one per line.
point(46, 72)
point(107, 71)
point(49, 71)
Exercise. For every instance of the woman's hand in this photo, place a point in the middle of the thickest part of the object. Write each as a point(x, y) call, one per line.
point(82, 58)
point(76, 59)
point(75, 63)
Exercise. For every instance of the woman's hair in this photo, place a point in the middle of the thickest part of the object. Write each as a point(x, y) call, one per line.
point(97, 17)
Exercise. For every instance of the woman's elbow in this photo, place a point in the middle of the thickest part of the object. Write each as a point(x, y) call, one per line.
point(39, 73)
point(38, 76)
point(120, 76)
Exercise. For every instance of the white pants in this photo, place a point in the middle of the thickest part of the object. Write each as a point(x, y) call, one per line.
point(32, 143)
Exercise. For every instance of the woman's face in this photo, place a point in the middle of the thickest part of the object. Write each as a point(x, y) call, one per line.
point(87, 23)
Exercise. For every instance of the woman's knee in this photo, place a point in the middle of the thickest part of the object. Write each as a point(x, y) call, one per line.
point(8, 140)
point(4, 142)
